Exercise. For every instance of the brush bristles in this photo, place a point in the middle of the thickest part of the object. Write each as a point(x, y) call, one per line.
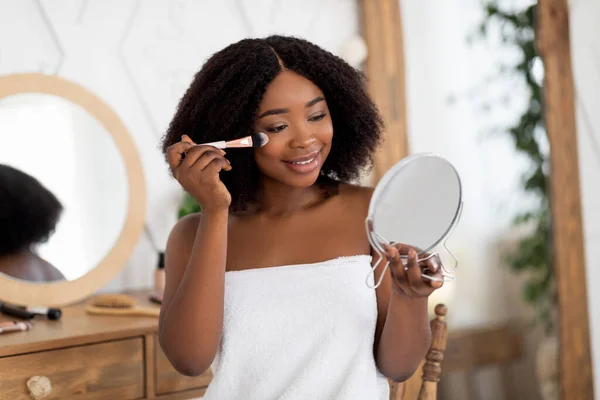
point(259, 139)
point(113, 301)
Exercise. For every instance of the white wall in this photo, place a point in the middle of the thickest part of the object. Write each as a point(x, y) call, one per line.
point(139, 57)
point(585, 51)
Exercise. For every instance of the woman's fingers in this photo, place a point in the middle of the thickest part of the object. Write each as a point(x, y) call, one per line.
point(196, 153)
point(432, 266)
point(218, 164)
point(398, 270)
point(187, 139)
point(413, 272)
point(431, 262)
point(407, 271)
point(210, 157)
point(176, 153)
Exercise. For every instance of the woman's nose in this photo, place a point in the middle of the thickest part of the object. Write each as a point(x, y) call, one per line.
point(303, 137)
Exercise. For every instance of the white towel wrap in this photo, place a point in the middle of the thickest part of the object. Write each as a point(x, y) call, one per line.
point(301, 331)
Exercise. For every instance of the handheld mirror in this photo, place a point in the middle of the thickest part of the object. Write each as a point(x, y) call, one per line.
point(417, 202)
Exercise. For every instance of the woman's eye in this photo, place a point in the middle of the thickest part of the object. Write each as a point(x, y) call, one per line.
point(317, 117)
point(276, 129)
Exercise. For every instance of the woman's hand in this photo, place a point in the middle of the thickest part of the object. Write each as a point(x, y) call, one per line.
point(197, 168)
point(406, 278)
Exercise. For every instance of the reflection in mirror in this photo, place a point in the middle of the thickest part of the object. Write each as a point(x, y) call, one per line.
point(28, 215)
point(86, 176)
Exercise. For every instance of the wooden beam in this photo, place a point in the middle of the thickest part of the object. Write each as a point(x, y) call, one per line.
point(382, 30)
point(554, 45)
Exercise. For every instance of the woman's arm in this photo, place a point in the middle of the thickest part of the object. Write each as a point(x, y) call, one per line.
point(191, 318)
point(403, 334)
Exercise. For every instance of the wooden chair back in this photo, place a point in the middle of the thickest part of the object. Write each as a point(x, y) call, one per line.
point(423, 384)
point(470, 350)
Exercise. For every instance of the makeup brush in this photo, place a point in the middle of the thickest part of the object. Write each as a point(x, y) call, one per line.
point(16, 327)
point(119, 304)
point(256, 140)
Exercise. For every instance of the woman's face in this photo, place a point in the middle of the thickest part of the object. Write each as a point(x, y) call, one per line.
point(294, 114)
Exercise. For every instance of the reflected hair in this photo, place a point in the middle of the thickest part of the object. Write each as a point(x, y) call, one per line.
point(223, 99)
point(28, 211)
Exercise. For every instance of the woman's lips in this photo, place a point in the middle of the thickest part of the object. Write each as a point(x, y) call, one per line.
point(305, 164)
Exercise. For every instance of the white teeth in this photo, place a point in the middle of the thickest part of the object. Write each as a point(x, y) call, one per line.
point(302, 162)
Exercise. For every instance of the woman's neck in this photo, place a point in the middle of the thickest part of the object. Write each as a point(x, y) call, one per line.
point(18, 262)
point(19, 255)
point(279, 200)
point(27, 265)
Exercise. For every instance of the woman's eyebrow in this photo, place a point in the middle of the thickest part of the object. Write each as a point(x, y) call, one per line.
point(276, 111)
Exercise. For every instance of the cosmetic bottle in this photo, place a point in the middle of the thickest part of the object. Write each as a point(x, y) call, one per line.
point(159, 274)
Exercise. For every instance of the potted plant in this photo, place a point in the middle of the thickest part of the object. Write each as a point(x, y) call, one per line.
point(187, 206)
point(533, 255)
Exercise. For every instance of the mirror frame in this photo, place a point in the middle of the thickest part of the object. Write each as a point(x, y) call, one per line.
point(60, 293)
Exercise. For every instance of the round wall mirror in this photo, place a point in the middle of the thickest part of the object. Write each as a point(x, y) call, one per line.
point(77, 153)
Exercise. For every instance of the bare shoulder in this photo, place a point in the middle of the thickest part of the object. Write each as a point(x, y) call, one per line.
point(356, 195)
point(185, 229)
point(353, 209)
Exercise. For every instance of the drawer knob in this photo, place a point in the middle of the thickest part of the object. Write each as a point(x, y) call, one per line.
point(39, 387)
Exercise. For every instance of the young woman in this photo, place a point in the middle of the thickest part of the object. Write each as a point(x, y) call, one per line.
point(267, 285)
point(28, 216)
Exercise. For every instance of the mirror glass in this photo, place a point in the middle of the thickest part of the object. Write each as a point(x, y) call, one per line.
point(416, 202)
point(74, 157)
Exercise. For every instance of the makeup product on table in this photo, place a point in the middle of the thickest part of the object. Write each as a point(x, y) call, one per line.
point(159, 280)
point(156, 297)
point(29, 312)
point(50, 313)
point(159, 273)
point(15, 311)
point(256, 140)
point(16, 327)
point(119, 305)
point(9, 323)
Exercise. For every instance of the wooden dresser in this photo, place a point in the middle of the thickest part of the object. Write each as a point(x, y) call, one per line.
point(93, 357)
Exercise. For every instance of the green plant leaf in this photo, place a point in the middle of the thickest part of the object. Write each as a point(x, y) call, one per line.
point(534, 253)
point(532, 291)
point(188, 206)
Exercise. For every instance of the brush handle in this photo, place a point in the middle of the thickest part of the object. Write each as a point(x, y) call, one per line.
point(219, 145)
point(232, 144)
point(16, 311)
point(129, 312)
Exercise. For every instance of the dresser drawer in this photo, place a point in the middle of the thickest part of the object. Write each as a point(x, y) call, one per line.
point(108, 370)
point(168, 380)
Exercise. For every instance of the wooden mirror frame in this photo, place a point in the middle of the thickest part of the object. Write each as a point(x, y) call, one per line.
point(382, 29)
point(65, 292)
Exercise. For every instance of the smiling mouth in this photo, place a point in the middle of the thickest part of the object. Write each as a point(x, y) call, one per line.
point(304, 160)
point(304, 164)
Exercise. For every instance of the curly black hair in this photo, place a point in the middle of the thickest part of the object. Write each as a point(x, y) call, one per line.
point(28, 211)
point(223, 100)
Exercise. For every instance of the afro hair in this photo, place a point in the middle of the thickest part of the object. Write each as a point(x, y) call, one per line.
point(28, 211)
point(224, 97)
